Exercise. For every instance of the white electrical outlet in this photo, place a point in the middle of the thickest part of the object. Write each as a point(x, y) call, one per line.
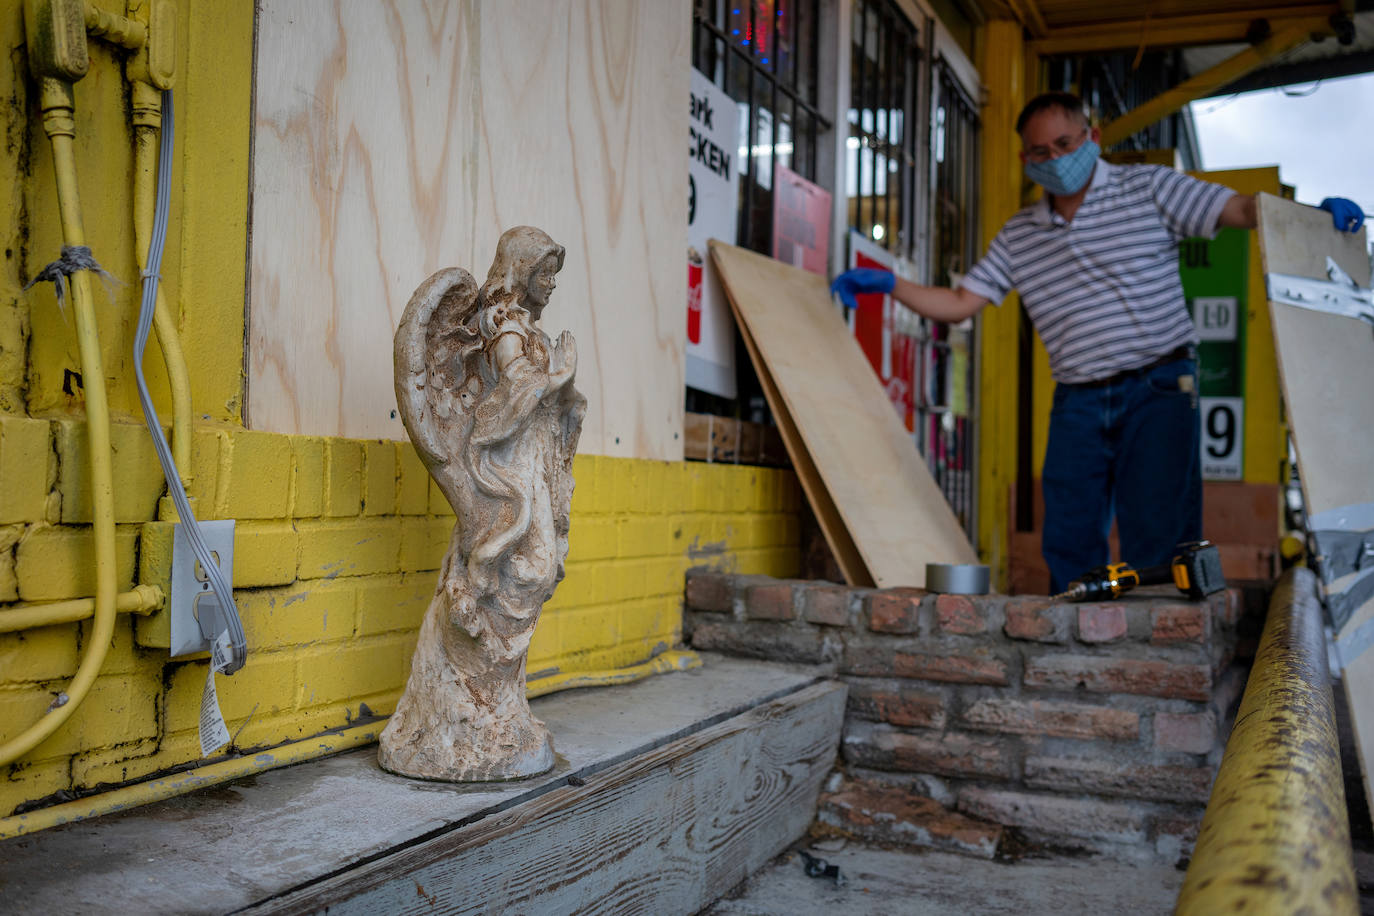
point(191, 592)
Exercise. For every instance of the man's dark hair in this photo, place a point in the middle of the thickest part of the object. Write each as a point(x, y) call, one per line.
point(1066, 101)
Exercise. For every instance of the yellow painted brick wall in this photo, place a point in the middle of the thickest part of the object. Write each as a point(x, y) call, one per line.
point(337, 546)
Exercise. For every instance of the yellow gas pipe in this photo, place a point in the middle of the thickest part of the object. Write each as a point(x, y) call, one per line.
point(58, 104)
point(143, 599)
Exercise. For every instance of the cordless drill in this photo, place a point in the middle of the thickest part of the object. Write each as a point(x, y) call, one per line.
point(1195, 570)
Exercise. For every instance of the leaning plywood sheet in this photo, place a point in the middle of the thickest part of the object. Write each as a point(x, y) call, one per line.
point(1326, 365)
point(836, 418)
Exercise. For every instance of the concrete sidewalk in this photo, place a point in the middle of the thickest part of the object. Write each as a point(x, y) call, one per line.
point(881, 882)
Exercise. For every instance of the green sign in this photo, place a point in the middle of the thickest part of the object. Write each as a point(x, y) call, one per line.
point(1215, 274)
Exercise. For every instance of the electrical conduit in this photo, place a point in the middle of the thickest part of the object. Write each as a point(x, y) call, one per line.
point(58, 103)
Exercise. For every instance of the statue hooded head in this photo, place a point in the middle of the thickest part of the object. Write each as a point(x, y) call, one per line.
point(522, 273)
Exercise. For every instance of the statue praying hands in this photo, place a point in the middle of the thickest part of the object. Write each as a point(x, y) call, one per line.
point(489, 402)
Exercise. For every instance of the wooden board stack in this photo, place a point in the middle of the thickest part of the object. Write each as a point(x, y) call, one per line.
point(876, 502)
point(1326, 366)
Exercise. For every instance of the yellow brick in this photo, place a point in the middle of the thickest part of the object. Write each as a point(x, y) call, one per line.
point(264, 686)
point(665, 576)
point(593, 539)
point(379, 489)
point(39, 654)
point(206, 445)
point(138, 480)
point(124, 656)
point(9, 582)
point(155, 568)
point(586, 629)
point(307, 723)
point(438, 503)
point(545, 644)
point(354, 669)
point(580, 585)
point(623, 581)
point(393, 603)
point(424, 540)
point(298, 615)
point(629, 485)
point(343, 477)
point(671, 493)
point(117, 764)
point(348, 547)
point(265, 553)
point(29, 780)
point(57, 563)
point(644, 536)
point(649, 619)
point(608, 659)
point(259, 466)
point(307, 476)
point(116, 710)
point(25, 464)
point(412, 496)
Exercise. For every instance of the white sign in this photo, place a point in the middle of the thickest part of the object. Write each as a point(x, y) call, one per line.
point(1223, 441)
point(712, 212)
point(1216, 317)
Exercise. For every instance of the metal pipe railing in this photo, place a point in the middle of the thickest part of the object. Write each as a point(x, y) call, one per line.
point(1276, 836)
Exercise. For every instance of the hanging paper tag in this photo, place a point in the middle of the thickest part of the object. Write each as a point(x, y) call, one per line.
point(214, 734)
point(220, 652)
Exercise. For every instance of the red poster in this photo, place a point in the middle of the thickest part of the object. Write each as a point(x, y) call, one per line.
point(801, 221)
point(883, 338)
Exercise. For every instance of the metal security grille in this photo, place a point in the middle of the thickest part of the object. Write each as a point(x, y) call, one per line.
point(881, 147)
point(945, 403)
point(764, 54)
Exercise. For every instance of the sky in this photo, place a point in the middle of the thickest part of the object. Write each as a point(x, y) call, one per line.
point(1317, 133)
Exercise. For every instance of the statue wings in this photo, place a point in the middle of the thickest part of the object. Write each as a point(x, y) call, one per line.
point(430, 373)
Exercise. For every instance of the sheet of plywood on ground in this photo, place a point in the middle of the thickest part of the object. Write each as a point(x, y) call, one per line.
point(846, 552)
point(391, 140)
point(1326, 366)
point(888, 502)
point(669, 831)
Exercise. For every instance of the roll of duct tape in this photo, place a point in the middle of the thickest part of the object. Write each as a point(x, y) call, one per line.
point(957, 579)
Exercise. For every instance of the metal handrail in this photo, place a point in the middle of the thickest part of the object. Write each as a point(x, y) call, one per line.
point(1276, 836)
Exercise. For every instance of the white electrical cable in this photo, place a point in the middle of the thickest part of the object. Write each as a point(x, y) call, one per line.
point(220, 585)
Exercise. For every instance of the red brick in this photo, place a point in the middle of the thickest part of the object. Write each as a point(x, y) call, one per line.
point(959, 615)
point(1226, 605)
point(894, 816)
point(1120, 675)
point(1181, 827)
point(1084, 818)
point(1104, 777)
point(1175, 623)
point(1037, 619)
point(827, 605)
point(1061, 720)
point(768, 641)
point(891, 701)
point(880, 661)
point(769, 602)
point(948, 754)
point(1190, 733)
point(707, 591)
point(895, 610)
point(1098, 623)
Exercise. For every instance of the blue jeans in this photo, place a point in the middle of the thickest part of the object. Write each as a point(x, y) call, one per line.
point(1128, 448)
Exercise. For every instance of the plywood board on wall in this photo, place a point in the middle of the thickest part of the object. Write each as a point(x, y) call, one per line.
point(878, 505)
point(391, 140)
point(1326, 367)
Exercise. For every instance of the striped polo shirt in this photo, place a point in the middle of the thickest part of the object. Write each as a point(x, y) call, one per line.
point(1103, 290)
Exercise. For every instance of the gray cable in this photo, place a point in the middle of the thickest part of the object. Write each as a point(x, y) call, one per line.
point(220, 585)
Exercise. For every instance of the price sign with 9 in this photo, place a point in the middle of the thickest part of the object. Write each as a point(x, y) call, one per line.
point(1223, 445)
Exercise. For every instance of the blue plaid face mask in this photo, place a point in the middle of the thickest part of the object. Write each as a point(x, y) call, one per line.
point(1067, 174)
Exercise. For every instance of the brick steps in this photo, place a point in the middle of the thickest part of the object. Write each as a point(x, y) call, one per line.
point(1096, 725)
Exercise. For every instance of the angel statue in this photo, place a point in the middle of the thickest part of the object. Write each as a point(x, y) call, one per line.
point(489, 402)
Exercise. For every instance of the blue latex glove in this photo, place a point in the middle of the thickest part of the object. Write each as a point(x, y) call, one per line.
point(862, 280)
point(1346, 214)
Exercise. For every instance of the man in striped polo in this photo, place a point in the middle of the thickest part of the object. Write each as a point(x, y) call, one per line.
point(1095, 261)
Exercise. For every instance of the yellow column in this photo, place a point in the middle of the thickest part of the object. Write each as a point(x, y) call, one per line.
point(1002, 66)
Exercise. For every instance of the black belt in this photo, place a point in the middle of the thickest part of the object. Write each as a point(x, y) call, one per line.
point(1177, 353)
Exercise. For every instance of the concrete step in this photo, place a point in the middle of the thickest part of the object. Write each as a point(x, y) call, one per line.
point(667, 793)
